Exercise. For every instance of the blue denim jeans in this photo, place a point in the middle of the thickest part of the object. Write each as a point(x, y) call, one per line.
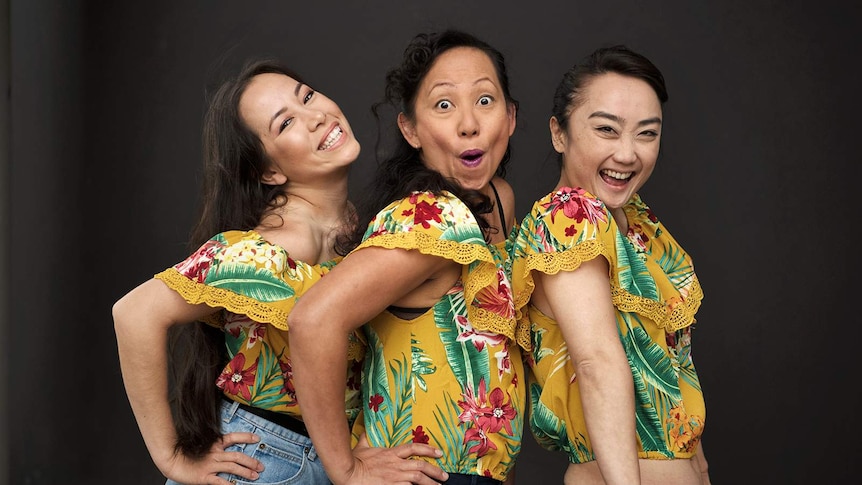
point(461, 479)
point(289, 458)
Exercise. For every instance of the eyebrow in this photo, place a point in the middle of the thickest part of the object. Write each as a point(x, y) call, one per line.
point(451, 84)
point(617, 119)
point(282, 110)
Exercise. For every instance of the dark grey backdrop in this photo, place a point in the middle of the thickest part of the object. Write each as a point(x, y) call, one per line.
point(761, 146)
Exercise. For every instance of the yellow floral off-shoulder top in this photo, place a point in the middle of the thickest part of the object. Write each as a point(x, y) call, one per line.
point(453, 376)
point(656, 294)
point(253, 285)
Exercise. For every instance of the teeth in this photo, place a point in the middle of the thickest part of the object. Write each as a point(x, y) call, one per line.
point(333, 137)
point(617, 175)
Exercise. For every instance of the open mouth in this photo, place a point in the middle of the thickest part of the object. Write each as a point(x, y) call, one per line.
point(471, 158)
point(331, 138)
point(615, 178)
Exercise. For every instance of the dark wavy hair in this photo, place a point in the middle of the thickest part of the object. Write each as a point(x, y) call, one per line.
point(233, 198)
point(402, 171)
point(617, 59)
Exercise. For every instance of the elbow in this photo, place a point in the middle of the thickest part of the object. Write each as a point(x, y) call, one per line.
point(598, 370)
point(118, 313)
point(298, 322)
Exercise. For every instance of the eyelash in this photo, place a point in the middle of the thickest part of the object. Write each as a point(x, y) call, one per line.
point(489, 98)
point(305, 100)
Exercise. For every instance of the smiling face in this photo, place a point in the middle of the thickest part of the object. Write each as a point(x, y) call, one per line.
point(304, 133)
point(611, 143)
point(462, 122)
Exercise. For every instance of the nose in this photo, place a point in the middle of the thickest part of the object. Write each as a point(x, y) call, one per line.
point(315, 118)
point(468, 124)
point(625, 152)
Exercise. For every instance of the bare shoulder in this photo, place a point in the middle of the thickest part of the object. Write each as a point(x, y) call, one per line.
point(296, 236)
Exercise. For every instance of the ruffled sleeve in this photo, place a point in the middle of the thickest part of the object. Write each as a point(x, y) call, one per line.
point(243, 273)
point(650, 274)
point(442, 225)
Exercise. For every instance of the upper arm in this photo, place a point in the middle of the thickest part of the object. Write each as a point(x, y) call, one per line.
point(153, 303)
point(362, 285)
point(580, 302)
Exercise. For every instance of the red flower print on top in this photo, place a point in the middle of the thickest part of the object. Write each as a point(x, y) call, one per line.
point(197, 266)
point(235, 379)
point(575, 205)
point(374, 402)
point(637, 237)
point(287, 377)
point(419, 435)
point(471, 405)
point(483, 446)
point(652, 218)
point(479, 339)
point(426, 212)
point(491, 412)
point(499, 301)
point(501, 412)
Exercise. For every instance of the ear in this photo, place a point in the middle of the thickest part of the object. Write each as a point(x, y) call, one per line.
point(512, 114)
point(558, 137)
point(273, 176)
point(408, 130)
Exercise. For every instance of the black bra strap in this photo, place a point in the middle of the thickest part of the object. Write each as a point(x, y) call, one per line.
point(499, 207)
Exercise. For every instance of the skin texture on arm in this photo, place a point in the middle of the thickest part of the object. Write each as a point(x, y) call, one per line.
point(580, 302)
point(141, 322)
point(701, 465)
point(357, 289)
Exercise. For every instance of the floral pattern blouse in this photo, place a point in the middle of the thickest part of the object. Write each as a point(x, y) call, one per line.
point(453, 376)
point(656, 294)
point(252, 285)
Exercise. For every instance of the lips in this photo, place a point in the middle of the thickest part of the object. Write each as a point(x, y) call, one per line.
point(471, 158)
point(331, 138)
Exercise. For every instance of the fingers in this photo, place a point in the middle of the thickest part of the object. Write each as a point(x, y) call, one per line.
point(427, 473)
point(238, 438)
point(417, 449)
point(397, 465)
point(240, 461)
point(234, 468)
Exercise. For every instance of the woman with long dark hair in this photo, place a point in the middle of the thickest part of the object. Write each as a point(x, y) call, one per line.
point(277, 156)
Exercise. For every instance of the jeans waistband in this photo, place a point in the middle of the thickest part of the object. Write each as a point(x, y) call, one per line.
point(284, 420)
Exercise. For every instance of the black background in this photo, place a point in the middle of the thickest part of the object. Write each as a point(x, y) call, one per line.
point(761, 143)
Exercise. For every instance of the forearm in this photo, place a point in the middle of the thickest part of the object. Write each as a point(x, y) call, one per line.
point(319, 371)
point(701, 464)
point(607, 395)
point(143, 362)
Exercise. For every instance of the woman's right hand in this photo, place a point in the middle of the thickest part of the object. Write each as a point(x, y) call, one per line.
point(205, 470)
point(376, 466)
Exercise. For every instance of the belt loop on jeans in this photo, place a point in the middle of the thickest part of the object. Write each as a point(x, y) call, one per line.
point(231, 411)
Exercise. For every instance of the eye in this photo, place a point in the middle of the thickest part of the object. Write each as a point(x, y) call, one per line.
point(284, 124)
point(444, 104)
point(308, 96)
point(605, 129)
point(650, 134)
point(485, 100)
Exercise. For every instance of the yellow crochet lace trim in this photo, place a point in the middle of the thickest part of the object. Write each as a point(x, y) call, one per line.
point(522, 299)
point(196, 293)
point(484, 275)
point(667, 317)
point(427, 244)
